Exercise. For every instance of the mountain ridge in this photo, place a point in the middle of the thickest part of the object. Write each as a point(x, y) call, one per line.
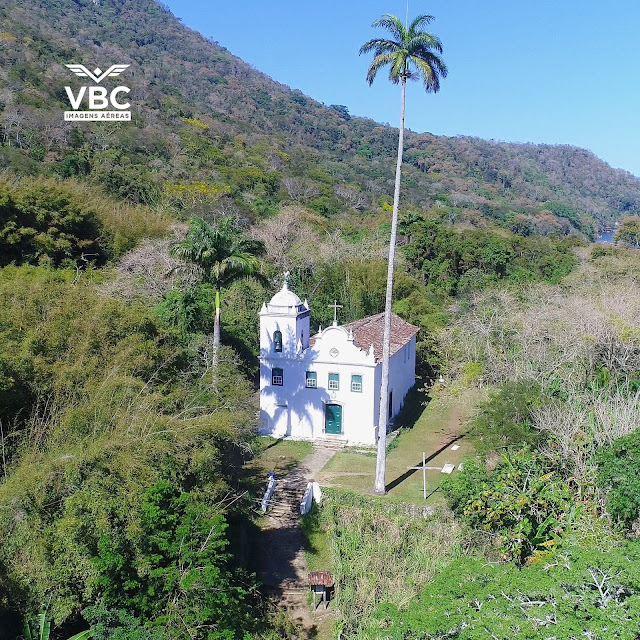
point(177, 74)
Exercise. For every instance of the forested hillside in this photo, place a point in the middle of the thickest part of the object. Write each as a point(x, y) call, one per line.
point(205, 122)
point(127, 504)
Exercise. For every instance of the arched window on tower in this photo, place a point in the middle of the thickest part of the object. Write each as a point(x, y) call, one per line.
point(277, 341)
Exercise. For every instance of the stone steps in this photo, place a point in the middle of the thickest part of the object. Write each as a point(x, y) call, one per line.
point(286, 500)
point(329, 443)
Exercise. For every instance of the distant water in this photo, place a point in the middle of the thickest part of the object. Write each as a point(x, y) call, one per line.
point(606, 237)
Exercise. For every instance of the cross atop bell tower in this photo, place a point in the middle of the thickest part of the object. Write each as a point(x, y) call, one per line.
point(335, 306)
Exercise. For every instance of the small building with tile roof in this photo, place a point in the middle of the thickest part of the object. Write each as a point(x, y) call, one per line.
point(328, 385)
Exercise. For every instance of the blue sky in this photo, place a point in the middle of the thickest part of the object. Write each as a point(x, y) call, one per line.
point(558, 72)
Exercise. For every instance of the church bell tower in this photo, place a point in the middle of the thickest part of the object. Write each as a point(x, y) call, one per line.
point(284, 324)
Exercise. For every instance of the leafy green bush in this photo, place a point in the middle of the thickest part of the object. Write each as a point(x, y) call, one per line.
point(460, 489)
point(628, 234)
point(505, 418)
point(462, 261)
point(189, 311)
point(101, 400)
point(575, 594)
point(619, 476)
point(63, 343)
point(523, 502)
point(86, 528)
point(119, 624)
point(173, 570)
point(46, 225)
point(427, 311)
point(61, 222)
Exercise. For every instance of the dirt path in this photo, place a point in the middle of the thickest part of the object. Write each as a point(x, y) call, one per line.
point(282, 562)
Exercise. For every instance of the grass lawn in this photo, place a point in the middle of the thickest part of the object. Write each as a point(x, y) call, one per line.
point(316, 542)
point(437, 428)
point(281, 456)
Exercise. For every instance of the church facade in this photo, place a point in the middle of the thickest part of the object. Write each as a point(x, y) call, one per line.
point(328, 385)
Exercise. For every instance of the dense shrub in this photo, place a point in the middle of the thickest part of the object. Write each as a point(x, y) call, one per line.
point(628, 233)
point(111, 430)
point(524, 502)
point(63, 343)
point(619, 477)
point(61, 222)
point(173, 571)
point(505, 419)
point(576, 593)
point(463, 261)
point(461, 488)
point(128, 523)
point(189, 311)
point(45, 224)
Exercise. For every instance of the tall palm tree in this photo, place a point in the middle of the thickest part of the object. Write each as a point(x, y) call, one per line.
point(411, 54)
point(221, 254)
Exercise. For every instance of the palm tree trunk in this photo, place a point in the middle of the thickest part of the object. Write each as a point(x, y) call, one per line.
point(216, 339)
point(381, 462)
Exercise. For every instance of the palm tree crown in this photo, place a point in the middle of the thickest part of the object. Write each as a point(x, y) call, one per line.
point(219, 251)
point(412, 53)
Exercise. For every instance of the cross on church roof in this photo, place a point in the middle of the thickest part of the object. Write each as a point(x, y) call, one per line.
point(335, 306)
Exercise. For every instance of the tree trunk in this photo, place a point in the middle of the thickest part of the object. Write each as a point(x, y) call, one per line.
point(381, 462)
point(216, 340)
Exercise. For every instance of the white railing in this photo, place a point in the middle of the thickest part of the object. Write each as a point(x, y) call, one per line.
point(271, 487)
point(312, 492)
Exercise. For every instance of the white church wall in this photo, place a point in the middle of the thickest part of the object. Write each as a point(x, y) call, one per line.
point(293, 410)
point(402, 367)
point(336, 353)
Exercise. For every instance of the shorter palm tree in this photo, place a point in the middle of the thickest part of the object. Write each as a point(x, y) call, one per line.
point(221, 254)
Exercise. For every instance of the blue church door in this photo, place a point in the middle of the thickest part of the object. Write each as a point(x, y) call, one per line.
point(333, 419)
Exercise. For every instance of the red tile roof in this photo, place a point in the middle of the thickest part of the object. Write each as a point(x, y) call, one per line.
point(323, 578)
point(370, 331)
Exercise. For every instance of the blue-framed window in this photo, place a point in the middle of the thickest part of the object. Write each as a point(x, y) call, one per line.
point(311, 381)
point(276, 377)
point(334, 382)
point(356, 384)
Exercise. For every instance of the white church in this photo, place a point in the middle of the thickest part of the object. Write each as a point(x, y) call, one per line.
point(328, 385)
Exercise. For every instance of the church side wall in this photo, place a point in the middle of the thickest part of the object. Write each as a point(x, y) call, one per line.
point(402, 373)
point(376, 403)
